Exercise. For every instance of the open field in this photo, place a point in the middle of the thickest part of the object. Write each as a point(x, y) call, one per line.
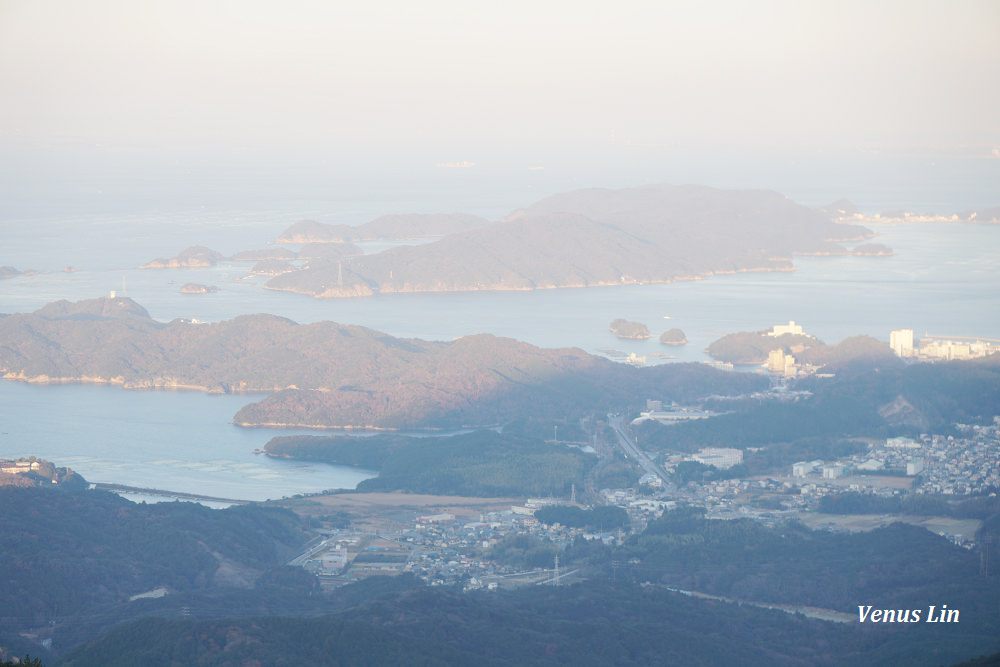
point(375, 504)
point(863, 522)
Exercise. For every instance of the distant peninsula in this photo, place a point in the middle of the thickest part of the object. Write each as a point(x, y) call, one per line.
point(33, 472)
point(651, 234)
point(845, 211)
point(328, 375)
point(754, 347)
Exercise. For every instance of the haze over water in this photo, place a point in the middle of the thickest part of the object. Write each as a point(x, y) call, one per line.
point(941, 280)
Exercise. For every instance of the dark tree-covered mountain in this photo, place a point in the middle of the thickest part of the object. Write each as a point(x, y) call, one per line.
point(481, 463)
point(68, 553)
point(78, 557)
point(596, 623)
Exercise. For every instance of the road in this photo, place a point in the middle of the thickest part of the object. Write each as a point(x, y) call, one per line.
point(631, 450)
point(307, 552)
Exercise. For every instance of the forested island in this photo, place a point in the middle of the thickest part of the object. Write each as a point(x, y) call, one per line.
point(673, 337)
point(651, 234)
point(629, 330)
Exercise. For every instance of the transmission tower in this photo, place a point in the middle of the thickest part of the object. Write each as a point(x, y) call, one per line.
point(984, 555)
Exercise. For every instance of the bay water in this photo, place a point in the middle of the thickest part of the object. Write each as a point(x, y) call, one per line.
point(942, 279)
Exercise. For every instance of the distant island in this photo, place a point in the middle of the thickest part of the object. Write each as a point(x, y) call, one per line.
point(629, 330)
point(310, 231)
point(673, 337)
point(194, 257)
point(651, 234)
point(871, 250)
point(11, 272)
point(196, 288)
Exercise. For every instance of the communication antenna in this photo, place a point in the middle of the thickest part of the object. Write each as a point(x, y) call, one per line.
point(555, 579)
point(572, 495)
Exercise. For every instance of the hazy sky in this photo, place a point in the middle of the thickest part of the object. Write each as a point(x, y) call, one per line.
point(441, 80)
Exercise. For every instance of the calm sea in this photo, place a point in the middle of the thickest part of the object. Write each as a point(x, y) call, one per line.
point(175, 441)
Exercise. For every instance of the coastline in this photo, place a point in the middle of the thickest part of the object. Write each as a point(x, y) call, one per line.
point(356, 427)
point(158, 384)
point(365, 290)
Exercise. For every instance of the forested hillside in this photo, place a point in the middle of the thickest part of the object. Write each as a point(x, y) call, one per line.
point(328, 374)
